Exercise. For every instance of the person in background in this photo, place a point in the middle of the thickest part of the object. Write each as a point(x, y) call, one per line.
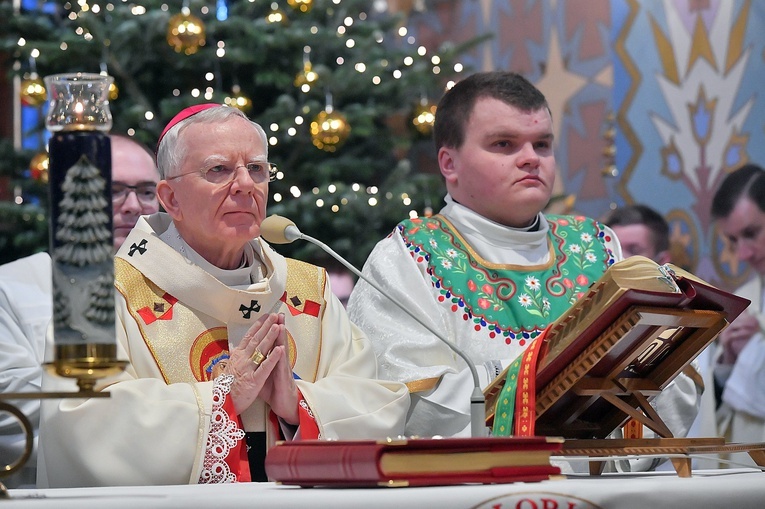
point(25, 296)
point(231, 346)
point(490, 271)
point(641, 231)
point(738, 209)
point(134, 185)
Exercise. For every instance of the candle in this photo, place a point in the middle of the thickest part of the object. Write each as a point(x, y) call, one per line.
point(81, 224)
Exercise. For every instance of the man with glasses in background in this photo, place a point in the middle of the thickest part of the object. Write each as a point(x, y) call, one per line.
point(134, 185)
point(25, 297)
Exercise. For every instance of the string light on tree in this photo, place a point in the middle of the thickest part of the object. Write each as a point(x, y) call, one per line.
point(276, 15)
point(329, 129)
point(424, 116)
point(307, 76)
point(238, 100)
point(186, 32)
point(301, 5)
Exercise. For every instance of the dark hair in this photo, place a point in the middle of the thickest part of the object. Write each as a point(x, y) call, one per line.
point(642, 214)
point(747, 182)
point(456, 105)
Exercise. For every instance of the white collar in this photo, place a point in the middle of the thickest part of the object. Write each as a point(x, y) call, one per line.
point(493, 241)
point(249, 272)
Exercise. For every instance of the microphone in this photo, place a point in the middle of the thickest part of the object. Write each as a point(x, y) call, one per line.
point(280, 230)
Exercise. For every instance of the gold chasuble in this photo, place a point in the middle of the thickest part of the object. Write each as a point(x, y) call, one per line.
point(186, 342)
point(167, 420)
point(168, 326)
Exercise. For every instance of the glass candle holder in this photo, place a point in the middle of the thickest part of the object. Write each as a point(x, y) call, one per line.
point(78, 101)
point(81, 237)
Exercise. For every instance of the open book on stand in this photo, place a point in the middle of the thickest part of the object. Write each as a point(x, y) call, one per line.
point(635, 330)
point(412, 462)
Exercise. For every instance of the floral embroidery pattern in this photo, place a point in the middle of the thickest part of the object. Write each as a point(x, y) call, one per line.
point(510, 303)
point(582, 254)
point(223, 436)
point(535, 303)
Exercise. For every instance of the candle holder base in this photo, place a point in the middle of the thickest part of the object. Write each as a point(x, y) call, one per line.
point(86, 362)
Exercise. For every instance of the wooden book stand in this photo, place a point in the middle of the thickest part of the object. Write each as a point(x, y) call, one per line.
point(602, 362)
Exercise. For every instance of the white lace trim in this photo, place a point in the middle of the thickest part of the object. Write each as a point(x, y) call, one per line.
point(304, 404)
point(223, 436)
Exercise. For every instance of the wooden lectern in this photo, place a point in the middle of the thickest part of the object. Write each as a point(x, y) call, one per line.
point(635, 330)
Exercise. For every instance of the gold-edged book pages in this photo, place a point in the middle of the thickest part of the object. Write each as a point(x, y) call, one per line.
point(624, 341)
point(413, 462)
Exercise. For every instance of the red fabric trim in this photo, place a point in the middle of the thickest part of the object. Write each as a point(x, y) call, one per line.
point(149, 315)
point(310, 307)
point(309, 428)
point(526, 393)
point(237, 457)
point(273, 420)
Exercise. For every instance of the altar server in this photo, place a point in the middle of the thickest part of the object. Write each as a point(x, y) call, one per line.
point(490, 271)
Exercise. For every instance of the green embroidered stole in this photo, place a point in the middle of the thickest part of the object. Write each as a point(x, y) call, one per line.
point(512, 301)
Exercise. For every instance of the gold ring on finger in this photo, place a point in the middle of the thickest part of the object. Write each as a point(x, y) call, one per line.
point(257, 357)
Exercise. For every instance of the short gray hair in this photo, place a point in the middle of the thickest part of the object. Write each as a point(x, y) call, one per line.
point(169, 156)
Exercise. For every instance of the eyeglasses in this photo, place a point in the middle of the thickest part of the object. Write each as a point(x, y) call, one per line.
point(221, 174)
point(146, 192)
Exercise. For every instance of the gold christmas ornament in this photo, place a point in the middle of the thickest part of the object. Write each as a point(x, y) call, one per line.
point(301, 5)
point(38, 167)
point(306, 77)
point(33, 90)
point(114, 92)
point(329, 130)
point(238, 100)
point(185, 32)
point(424, 116)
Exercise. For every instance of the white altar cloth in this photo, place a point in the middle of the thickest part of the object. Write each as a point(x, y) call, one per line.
point(733, 488)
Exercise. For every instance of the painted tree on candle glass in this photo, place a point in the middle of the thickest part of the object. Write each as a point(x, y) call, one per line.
point(62, 311)
point(101, 301)
point(84, 227)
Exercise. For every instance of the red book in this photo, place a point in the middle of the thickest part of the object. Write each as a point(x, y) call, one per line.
point(412, 462)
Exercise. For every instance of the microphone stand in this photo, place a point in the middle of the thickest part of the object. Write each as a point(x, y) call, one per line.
point(477, 399)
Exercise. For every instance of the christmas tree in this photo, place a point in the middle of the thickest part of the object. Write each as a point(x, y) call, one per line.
point(344, 93)
point(24, 221)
